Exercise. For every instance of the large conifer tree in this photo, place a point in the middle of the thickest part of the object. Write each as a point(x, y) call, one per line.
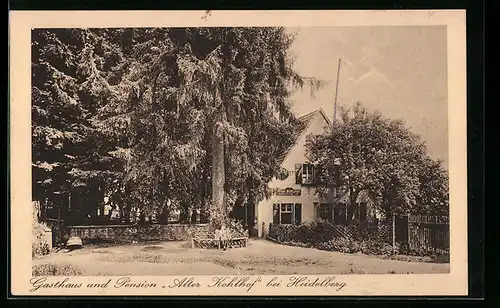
point(195, 116)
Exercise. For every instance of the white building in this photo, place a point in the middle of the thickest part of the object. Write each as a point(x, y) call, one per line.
point(293, 199)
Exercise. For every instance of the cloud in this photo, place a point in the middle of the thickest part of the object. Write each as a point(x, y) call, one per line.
point(372, 76)
point(347, 66)
point(400, 71)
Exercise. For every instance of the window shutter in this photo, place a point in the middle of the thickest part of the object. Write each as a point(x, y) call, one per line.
point(298, 173)
point(316, 173)
point(276, 214)
point(298, 213)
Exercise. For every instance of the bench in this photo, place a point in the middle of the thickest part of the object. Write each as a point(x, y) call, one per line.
point(203, 237)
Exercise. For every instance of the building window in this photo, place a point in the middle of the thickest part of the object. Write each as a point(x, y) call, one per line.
point(325, 212)
point(307, 174)
point(304, 174)
point(287, 213)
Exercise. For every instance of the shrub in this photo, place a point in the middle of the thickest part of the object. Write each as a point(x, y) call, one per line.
point(149, 232)
point(376, 247)
point(39, 244)
point(39, 247)
point(49, 269)
point(348, 245)
point(316, 231)
point(298, 244)
point(343, 244)
point(236, 228)
point(356, 237)
point(284, 233)
point(324, 231)
point(440, 257)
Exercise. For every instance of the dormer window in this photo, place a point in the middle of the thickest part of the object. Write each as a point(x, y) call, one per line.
point(304, 174)
point(308, 174)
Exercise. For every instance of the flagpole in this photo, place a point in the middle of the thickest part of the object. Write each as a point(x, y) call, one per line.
point(336, 93)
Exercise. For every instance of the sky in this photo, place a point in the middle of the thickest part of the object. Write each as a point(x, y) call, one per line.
point(399, 70)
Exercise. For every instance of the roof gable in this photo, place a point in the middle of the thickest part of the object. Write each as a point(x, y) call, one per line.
point(304, 122)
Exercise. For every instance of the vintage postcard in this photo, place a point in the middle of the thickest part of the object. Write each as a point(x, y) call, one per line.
point(249, 153)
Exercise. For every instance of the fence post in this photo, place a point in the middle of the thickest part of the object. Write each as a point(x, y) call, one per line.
point(393, 231)
point(408, 238)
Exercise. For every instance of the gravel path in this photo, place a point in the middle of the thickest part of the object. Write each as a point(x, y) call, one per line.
point(260, 257)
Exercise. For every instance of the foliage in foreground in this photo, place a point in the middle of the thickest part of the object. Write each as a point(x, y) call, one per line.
point(375, 248)
point(321, 231)
point(150, 117)
point(368, 246)
point(49, 269)
point(39, 244)
point(353, 238)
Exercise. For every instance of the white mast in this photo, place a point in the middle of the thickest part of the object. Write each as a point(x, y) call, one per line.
point(336, 94)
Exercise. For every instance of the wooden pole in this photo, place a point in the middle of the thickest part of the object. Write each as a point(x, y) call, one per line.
point(393, 231)
point(336, 93)
point(408, 231)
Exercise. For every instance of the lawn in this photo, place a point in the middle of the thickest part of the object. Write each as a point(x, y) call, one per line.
point(260, 257)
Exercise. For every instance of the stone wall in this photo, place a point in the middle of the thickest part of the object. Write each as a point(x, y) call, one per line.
point(130, 233)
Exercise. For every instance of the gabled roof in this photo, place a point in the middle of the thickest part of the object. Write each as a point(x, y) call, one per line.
point(304, 122)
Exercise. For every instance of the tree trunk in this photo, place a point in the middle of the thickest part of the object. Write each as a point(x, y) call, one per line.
point(353, 195)
point(101, 199)
point(218, 211)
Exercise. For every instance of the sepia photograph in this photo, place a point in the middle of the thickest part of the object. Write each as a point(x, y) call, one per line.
point(239, 152)
point(262, 150)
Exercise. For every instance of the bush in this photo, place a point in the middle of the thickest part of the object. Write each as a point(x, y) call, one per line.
point(149, 232)
point(439, 256)
point(49, 269)
point(298, 244)
point(316, 231)
point(344, 245)
point(39, 245)
point(376, 247)
point(348, 245)
point(236, 228)
point(324, 231)
point(356, 237)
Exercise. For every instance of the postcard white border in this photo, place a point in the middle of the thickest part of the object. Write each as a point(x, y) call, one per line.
point(21, 23)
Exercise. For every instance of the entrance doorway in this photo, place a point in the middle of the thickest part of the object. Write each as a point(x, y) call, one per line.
point(250, 219)
point(246, 215)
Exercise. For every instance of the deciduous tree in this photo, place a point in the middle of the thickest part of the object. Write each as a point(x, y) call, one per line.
point(366, 151)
